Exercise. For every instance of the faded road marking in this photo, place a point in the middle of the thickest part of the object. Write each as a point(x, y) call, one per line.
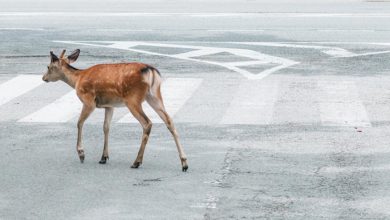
point(340, 104)
point(253, 103)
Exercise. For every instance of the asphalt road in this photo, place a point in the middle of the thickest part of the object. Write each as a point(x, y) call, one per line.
point(283, 115)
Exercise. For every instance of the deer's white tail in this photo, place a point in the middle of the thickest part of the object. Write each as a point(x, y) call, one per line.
point(154, 80)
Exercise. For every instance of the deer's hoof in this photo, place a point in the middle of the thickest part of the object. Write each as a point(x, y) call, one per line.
point(136, 165)
point(184, 164)
point(81, 155)
point(104, 160)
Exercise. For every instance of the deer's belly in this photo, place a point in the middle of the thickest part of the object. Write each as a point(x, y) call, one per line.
point(103, 102)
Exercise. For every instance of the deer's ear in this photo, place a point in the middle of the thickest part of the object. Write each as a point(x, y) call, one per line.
point(73, 56)
point(53, 57)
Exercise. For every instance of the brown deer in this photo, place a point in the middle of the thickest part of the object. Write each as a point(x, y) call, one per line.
point(114, 85)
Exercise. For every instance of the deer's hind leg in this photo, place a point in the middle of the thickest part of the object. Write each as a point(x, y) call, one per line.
point(109, 111)
point(156, 102)
point(135, 108)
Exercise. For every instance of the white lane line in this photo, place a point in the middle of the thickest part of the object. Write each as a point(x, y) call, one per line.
point(123, 45)
point(231, 30)
point(175, 93)
point(340, 104)
point(332, 51)
point(22, 29)
point(253, 103)
point(147, 14)
point(18, 86)
point(61, 110)
point(345, 30)
point(197, 53)
point(369, 53)
point(124, 30)
point(246, 63)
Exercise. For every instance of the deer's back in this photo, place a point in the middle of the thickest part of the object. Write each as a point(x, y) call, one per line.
point(112, 81)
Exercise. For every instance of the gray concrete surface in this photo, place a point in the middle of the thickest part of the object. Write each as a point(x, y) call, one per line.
point(311, 141)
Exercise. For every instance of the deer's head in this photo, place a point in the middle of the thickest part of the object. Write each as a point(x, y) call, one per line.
point(55, 70)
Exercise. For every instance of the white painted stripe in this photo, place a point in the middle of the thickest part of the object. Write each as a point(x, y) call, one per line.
point(18, 86)
point(22, 29)
point(123, 45)
point(245, 63)
point(369, 53)
point(340, 105)
point(147, 14)
point(345, 30)
point(175, 93)
point(61, 110)
point(333, 51)
point(124, 30)
point(232, 30)
point(253, 103)
point(197, 53)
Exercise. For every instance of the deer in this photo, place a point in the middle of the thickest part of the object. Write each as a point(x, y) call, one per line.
point(114, 85)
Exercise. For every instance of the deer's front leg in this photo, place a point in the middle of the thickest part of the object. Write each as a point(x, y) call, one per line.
point(106, 128)
point(85, 112)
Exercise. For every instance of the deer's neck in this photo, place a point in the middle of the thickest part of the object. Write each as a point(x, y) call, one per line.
point(71, 75)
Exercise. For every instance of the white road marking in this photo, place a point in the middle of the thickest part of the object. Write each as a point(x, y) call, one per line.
point(245, 63)
point(259, 58)
point(123, 45)
point(369, 53)
point(332, 51)
point(340, 105)
point(253, 103)
point(61, 110)
point(197, 53)
point(297, 103)
point(201, 50)
point(18, 86)
point(147, 14)
point(233, 30)
point(22, 29)
point(345, 30)
point(383, 44)
point(124, 30)
point(175, 93)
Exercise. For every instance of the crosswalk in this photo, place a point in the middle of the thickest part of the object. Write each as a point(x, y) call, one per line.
point(18, 86)
point(175, 91)
point(251, 102)
point(341, 105)
point(61, 110)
